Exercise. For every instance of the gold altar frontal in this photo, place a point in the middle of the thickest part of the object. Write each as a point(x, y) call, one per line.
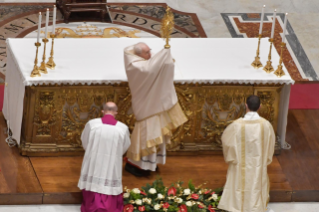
point(54, 116)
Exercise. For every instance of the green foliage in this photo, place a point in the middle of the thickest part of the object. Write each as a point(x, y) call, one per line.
point(191, 185)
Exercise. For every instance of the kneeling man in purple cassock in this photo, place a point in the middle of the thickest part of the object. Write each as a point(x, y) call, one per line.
point(104, 140)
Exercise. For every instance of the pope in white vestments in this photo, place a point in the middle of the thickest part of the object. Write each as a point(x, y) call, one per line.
point(155, 106)
point(104, 140)
point(248, 147)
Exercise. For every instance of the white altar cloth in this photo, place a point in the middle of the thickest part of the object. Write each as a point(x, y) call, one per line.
point(90, 61)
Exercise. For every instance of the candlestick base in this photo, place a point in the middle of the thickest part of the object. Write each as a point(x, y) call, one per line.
point(268, 67)
point(35, 72)
point(51, 64)
point(279, 72)
point(257, 64)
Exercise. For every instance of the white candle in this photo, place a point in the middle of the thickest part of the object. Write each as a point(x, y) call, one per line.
point(273, 25)
point(285, 28)
point(46, 24)
point(54, 17)
point(39, 27)
point(262, 20)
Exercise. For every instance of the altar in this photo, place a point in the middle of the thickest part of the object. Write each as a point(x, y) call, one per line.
point(213, 78)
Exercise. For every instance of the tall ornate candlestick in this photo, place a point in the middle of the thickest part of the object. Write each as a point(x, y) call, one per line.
point(35, 72)
point(257, 64)
point(51, 64)
point(279, 72)
point(167, 26)
point(43, 68)
point(268, 67)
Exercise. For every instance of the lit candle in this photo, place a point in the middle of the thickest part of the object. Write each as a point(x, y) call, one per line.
point(39, 27)
point(285, 28)
point(46, 24)
point(262, 20)
point(273, 25)
point(54, 17)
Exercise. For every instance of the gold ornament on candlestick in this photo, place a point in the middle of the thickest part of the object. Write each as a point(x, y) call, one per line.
point(35, 72)
point(257, 64)
point(43, 68)
point(51, 64)
point(279, 72)
point(268, 67)
point(167, 26)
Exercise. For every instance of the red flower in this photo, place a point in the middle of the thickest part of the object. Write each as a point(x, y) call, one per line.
point(200, 206)
point(211, 209)
point(143, 193)
point(182, 208)
point(206, 192)
point(166, 205)
point(171, 191)
point(195, 196)
point(128, 208)
point(213, 192)
point(141, 208)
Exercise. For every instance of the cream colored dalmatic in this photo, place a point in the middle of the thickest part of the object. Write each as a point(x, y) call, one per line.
point(102, 164)
point(248, 146)
point(154, 103)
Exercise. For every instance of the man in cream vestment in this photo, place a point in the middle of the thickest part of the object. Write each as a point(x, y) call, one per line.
point(248, 147)
point(155, 106)
point(104, 140)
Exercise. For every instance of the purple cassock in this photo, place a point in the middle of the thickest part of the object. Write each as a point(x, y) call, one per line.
point(96, 202)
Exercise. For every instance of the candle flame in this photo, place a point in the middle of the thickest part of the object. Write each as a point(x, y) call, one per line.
point(39, 13)
point(47, 9)
point(275, 10)
point(54, 5)
point(264, 6)
point(286, 13)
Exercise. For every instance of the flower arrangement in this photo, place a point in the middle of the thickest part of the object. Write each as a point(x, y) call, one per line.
point(176, 198)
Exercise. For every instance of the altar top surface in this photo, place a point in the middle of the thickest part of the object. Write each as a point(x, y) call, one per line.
point(198, 60)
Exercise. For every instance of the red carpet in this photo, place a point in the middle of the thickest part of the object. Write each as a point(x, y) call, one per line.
point(304, 96)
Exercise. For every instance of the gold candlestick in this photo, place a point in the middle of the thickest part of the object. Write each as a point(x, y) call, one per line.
point(51, 64)
point(279, 72)
point(257, 64)
point(268, 67)
point(167, 26)
point(35, 72)
point(43, 68)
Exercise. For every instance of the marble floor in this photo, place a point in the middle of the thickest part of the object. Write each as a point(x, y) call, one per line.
point(277, 207)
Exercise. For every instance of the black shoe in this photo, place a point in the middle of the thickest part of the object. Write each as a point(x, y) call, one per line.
point(134, 171)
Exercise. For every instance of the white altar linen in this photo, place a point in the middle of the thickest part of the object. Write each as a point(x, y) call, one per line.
point(97, 61)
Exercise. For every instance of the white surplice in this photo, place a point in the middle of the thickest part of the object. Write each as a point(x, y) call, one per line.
point(248, 147)
point(102, 164)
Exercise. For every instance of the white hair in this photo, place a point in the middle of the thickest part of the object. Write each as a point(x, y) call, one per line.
point(138, 48)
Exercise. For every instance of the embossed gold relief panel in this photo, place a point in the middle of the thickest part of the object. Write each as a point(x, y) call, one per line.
point(54, 117)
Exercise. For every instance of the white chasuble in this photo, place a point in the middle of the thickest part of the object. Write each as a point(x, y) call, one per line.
point(154, 101)
point(248, 147)
point(104, 146)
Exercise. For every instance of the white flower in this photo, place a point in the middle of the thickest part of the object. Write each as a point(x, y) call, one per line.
point(138, 202)
point(187, 191)
point(178, 200)
point(160, 196)
point(148, 201)
point(189, 204)
point(126, 195)
point(136, 191)
point(152, 191)
point(215, 197)
point(157, 207)
point(200, 192)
